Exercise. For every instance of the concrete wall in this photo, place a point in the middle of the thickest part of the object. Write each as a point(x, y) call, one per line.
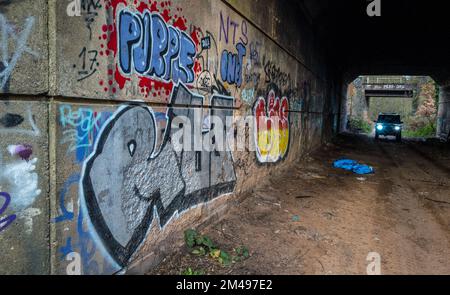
point(443, 124)
point(90, 179)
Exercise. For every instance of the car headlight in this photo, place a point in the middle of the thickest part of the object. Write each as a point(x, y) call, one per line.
point(397, 128)
point(380, 127)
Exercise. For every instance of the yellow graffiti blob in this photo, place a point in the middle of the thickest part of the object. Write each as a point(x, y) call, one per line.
point(272, 128)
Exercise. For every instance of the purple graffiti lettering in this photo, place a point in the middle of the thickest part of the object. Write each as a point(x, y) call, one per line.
point(5, 222)
point(227, 24)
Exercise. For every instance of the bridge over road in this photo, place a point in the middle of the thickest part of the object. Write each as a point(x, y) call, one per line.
point(389, 90)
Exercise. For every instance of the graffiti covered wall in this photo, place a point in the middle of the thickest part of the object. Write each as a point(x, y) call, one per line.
point(24, 187)
point(123, 74)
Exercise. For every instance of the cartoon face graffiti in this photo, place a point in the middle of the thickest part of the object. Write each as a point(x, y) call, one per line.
point(119, 182)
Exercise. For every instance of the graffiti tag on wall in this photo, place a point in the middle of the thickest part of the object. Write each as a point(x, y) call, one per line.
point(272, 128)
point(20, 178)
point(8, 62)
point(81, 128)
point(150, 47)
point(133, 175)
point(149, 41)
point(5, 221)
point(231, 65)
point(10, 124)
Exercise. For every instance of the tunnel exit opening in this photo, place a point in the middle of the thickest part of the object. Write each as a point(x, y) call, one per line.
point(414, 98)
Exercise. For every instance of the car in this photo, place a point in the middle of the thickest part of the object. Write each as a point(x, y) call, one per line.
point(389, 124)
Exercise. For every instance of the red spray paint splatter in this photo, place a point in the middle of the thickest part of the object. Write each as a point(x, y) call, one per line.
point(194, 35)
point(166, 16)
point(180, 23)
point(142, 7)
point(149, 83)
point(197, 67)
point(121, 80)
point(154, 7)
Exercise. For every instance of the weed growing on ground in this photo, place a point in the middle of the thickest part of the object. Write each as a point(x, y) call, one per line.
point(201, 245)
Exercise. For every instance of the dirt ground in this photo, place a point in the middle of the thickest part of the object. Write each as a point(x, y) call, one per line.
point(314, 219)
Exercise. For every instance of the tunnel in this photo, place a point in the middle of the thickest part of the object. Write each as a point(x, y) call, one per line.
point(219, 137)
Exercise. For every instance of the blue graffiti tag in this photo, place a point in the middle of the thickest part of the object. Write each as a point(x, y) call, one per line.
point(85, 245)
point(150, 47)
point(66, 215)
point(67, 249)
point(5, 222)
point(82, 127)
point(231, 65)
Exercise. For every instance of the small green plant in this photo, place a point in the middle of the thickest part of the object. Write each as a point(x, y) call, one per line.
point(200, 245)
point(224, 258)
point(190, 272)
point(203, 245)
point(189, 237)
point(242, 253)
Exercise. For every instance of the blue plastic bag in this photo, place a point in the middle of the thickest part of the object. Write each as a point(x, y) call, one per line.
point(354, 166)
point(362, 169)
point(345, 164)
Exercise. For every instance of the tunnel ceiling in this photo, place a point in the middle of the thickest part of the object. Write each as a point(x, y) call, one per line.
point(411, 37)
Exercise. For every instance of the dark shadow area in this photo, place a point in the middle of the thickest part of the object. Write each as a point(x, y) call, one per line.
point(388, 44)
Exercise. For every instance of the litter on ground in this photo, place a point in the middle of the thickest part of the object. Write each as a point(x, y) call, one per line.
point(354, 166)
